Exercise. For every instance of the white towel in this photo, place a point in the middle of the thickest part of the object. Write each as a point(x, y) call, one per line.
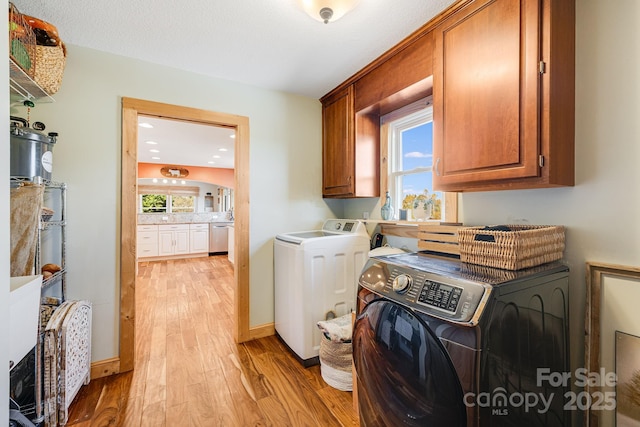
point(338, 329)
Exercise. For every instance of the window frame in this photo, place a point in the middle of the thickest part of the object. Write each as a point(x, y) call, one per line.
point(169, 209)
point(410, 115)
point(168, 191)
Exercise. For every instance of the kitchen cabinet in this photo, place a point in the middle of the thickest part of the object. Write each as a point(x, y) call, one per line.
point(350, 164)
point(504, 96)
point(173, 239)
point(147, 245)
point(198, 238)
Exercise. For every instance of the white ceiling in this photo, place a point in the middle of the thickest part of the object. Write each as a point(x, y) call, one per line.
point(272, 44)
point(185, 143)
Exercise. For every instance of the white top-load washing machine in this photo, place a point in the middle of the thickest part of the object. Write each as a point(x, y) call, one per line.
point(316, 275)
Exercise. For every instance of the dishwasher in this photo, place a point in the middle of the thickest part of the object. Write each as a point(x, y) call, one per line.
point(218, 238)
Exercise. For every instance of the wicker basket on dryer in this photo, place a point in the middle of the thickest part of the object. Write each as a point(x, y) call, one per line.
point(511, 247)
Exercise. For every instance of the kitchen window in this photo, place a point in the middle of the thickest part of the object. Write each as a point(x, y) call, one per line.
point(167, 199)
point(410, 163)
point(160, 203)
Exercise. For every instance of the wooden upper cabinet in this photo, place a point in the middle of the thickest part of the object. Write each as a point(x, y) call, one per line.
point(504, 96)
point(400, 80)
point(338, 145)
point(351, 116)
point(350, 149)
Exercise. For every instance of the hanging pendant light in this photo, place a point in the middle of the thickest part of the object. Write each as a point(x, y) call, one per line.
point(328, 10)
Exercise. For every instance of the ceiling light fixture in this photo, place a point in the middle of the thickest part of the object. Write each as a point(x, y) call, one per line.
point(328, 10)
point(151, 142)
point(153, 150)
point(146, 125)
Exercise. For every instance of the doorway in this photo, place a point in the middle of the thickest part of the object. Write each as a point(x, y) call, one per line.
point(131, 108)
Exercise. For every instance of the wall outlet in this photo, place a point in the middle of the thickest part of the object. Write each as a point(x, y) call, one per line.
point(365, 215)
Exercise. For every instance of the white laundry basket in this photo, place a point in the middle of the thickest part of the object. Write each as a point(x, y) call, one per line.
point(336, 353)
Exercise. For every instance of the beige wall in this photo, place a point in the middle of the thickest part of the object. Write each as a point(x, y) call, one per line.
point(285, 169)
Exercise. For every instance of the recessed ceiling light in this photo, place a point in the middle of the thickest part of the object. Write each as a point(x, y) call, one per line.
point(173, 181)
point(164, 181)
point(155, 158)
point(222, 149)
point(232, 135)
point(216, 157)
point(153, 150)
point(155, 180)
point(151, 142)
point(183, 182)
point(146, 125)
point(212, 163)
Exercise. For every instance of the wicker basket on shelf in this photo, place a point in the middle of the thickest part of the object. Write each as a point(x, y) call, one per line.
point(22, 42)
point(51, 62)
point(519, 247)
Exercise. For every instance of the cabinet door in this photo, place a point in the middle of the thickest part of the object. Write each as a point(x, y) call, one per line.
point(486, 93)
point(199, 241)
point(181, 241)
point(338, 145)
point(165, 243)
point(147, 244)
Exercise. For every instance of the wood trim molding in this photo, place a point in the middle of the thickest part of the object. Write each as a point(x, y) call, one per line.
point(104, 368)
point(262, 331)
point(131, 108)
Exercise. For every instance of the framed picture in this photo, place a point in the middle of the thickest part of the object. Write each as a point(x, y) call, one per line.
point(613, 292)
point(628, 380)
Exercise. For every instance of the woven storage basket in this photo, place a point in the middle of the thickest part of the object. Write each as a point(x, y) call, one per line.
point(22, 42)
point(521, 247)
point(50, 62)
point(335, 363)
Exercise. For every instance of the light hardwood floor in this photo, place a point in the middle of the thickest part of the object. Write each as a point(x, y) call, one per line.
point(190, 372)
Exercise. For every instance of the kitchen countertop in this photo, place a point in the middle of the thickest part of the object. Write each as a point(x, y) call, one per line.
point(183, 218)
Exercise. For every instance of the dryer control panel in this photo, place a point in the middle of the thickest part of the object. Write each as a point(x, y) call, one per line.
point(452, 299)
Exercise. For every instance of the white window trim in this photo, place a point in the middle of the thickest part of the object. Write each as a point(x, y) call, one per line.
point(408, 115)
point(169, 203)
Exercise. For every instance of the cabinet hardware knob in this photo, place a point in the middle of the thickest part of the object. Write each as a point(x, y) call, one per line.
point(437, 166)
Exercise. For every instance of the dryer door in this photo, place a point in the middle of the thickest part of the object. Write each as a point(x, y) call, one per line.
point(405, 376)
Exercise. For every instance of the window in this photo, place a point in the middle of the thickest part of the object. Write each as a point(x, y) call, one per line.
point(410, 179)
point(154, 203)
point(167, 199)
point(183, 204)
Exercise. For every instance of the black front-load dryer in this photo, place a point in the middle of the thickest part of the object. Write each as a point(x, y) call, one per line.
point(438, 342)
